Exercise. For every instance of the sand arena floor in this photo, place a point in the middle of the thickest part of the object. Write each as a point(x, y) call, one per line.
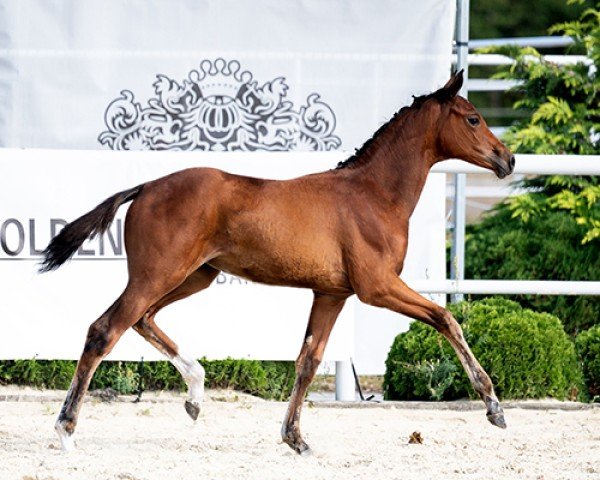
point(237, 436)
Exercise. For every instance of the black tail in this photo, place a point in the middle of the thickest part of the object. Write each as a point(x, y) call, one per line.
point(70, 238)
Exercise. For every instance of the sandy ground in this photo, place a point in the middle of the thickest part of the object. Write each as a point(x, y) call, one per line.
point(237, 437)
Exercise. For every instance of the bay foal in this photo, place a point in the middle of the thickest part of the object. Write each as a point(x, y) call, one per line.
point(339, 233)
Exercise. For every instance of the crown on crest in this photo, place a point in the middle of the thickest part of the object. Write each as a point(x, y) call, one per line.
point(220, 78)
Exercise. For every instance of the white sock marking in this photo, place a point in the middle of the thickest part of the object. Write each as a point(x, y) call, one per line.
point(193, 374)
point(66, 440)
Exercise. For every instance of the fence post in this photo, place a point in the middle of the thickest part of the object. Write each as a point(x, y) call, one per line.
point(460, 180)
point(344, 382)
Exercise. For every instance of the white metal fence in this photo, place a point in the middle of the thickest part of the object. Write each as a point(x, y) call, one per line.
point(484, 59)
point(463, 60)
point(525, 164)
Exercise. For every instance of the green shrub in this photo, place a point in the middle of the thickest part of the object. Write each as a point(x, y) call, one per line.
point(163, 376)
point(548, 247)
point(588, 348)
point(420, 366)
point(49, 374)
point(527, 355)
point(273, 380)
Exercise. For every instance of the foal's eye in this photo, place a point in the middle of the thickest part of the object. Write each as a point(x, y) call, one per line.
point(473, 121)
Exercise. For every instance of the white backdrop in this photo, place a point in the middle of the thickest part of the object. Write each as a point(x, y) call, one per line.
point(133, 74)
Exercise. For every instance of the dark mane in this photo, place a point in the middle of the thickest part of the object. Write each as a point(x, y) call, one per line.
point(418, 101)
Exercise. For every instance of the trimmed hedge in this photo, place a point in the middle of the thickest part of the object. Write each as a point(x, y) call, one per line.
point(272, 380)
point(588, 348)
point(527, 355)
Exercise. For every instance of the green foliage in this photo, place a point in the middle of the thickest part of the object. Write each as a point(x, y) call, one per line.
point(507, 18)
point(527, 355)
point(588, 348)
point(560, 106)
point(547, 248)
point(273, 380)
point(432, 378)
point(580, 197)
point(421, 366)
point(56, 374)
point(123, 377)
point(560, 103)
point(551, 232)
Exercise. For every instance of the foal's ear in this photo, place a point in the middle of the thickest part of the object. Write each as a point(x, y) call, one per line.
point(453, 85)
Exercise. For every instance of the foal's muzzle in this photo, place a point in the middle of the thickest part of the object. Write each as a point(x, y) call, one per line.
point(503, 167)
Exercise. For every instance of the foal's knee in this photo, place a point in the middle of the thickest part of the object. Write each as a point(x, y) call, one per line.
point(307, 365)
point(308, 362)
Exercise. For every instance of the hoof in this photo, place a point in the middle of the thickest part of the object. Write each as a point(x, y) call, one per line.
point(304, 450)
point(497, 419)
point(66, 438)
point(298, 445)
point(301, 448)
point(192, 409)
point(495, 414)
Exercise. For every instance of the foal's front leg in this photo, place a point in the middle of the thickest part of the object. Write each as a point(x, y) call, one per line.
point(395, 295)
point(325, 310)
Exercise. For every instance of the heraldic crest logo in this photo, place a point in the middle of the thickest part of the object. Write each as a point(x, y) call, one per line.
point(219, 107)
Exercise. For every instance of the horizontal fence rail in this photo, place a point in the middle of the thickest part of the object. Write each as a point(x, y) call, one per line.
point(552, 41)
point(492, 84)
point(493, 59)
point(501, 85)
point(533, 164)
point(507, 287)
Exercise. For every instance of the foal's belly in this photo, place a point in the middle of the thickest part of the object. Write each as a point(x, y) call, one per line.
point(285, 270)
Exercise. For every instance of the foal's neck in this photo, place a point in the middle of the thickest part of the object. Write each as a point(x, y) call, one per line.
point(401, 156)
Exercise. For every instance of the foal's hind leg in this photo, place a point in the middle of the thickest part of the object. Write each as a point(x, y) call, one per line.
point(394, 294)
point(102, 335)
point(188, 367)
point(325, 310)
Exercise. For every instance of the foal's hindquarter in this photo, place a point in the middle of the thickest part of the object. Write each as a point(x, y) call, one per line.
point(338, 233)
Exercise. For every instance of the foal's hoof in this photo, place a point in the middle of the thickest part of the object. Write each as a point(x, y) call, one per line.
point(495, 414)
point(497, 419)
point(192, 409)
point(301, 448)
point(297, 445)
point(66, 438)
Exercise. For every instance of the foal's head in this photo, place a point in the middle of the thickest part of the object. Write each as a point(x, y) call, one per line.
point(464, 134)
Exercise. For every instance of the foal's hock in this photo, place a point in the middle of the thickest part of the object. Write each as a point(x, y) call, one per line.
point(348, 237)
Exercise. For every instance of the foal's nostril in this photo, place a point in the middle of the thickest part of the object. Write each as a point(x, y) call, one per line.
point(511, 163)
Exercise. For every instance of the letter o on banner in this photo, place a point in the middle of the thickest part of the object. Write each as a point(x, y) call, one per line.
point(4, 240)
